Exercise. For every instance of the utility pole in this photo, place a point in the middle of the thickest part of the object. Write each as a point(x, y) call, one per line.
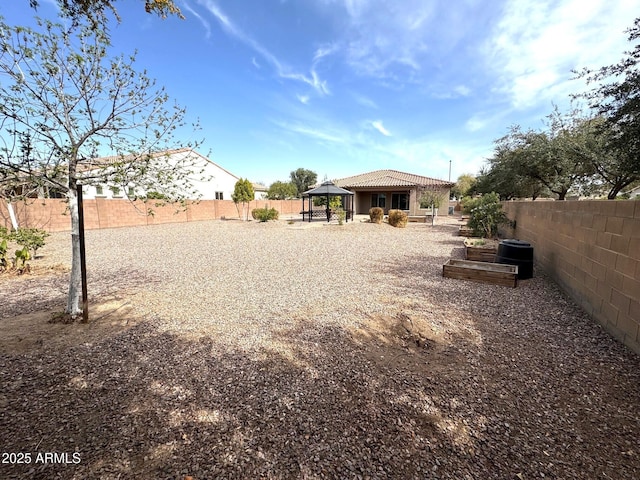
point(449, 170)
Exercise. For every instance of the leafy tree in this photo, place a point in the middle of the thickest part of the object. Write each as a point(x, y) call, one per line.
point(431, 199)
point(242, 194)
point(463, 185)
point(559, 158)
point(94, 9)
point(303, 179)
point(281, 191)
point(62, 100)
point(335, 201)
point(507, 173)
point(617, 99)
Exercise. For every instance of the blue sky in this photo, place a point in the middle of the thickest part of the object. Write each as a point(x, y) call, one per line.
point(343, 87)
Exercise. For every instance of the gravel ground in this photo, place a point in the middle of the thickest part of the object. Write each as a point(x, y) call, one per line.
point(248, 350)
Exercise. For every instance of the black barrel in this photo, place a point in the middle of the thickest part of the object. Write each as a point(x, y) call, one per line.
point(516, 252)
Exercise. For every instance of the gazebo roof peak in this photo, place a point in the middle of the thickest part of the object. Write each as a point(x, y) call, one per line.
point(327, 188)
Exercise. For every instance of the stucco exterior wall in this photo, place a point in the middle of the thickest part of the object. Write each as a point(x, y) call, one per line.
point(592, 250)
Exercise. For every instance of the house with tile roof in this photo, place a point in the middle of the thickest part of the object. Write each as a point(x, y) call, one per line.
point(391, 189)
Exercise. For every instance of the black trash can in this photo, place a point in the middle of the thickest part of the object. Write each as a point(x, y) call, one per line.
point(516, 252)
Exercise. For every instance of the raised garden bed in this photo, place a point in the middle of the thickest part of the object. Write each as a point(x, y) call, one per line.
point(465, 231)
point(480, 249)
point(484, 272)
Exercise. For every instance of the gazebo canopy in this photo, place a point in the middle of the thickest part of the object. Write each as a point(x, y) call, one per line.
point(328, 189)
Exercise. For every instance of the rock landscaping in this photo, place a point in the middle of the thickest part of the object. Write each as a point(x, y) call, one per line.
point(289, 350)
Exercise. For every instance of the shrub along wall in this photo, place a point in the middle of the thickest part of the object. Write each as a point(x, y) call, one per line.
point(52, 215)
point(592, 249)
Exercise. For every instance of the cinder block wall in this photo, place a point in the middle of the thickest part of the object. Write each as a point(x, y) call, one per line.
point(52, 214)
point(592, 250)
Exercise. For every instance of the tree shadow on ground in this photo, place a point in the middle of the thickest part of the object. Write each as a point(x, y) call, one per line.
point(556, 392)
point(151, 404)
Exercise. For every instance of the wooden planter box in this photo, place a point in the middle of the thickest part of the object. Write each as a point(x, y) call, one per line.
point(496, 273)
point(480, 253)
point(465, 231)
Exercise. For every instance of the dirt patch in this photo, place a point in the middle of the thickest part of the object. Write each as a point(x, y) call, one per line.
point(33, 331)
point(33, 270)
point(407, 341)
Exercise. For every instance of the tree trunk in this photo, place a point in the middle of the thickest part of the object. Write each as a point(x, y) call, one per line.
point(75, 280)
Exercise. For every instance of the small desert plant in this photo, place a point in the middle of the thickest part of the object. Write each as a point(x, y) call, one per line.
point(30, 238)
point(397, 218)
point(376, 214)
point(22, 255)
point(341, 214)
point(264, 214)
point(4, 259)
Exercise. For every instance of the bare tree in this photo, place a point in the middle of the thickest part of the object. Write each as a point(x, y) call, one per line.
point(63, 100)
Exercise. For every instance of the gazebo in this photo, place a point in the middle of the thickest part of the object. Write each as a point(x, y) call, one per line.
point(328, 190)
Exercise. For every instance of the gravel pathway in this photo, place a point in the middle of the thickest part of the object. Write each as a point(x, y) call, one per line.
point(249, 350)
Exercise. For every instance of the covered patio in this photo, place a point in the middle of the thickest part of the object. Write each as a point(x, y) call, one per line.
point(326, 190)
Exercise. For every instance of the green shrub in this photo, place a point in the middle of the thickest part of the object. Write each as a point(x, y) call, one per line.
point(486, 216)
point(30, 238)
point(468, 203)
point(22, 256)
point(4, 258)
point(264, 214)
point(398, 218)
point(376, 214)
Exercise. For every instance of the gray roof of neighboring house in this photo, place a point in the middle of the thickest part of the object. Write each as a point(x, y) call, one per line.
point(102, 162)
point(390, 178)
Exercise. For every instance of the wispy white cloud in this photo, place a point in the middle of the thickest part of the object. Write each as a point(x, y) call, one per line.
point(393, 40)
point(457, 91)
point(205, 24)
point(303, 98)
point(255, 63)
point(365, 101)
point(312, 79)
point(377, 124)
point(537, 43)
point(323, 134)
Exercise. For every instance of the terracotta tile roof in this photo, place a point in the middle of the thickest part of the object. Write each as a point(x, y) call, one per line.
point(390, 178)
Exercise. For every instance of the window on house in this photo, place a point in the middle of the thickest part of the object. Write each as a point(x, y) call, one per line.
point(219, 196)
point(400, 201)
point(130, 192)
point(99, 190)
point(115, 191)
point(378, 200)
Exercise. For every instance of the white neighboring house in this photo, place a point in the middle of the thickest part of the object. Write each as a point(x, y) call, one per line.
point(259, 191)
point(212, 183)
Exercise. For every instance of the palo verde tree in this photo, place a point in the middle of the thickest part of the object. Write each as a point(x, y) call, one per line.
point(464, 185)
point(63, 99)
